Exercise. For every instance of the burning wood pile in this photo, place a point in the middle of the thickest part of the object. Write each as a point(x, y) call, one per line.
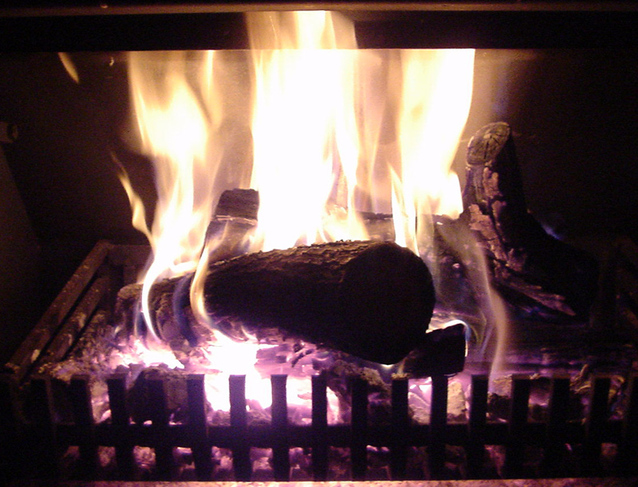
point(357, 308)
point(287, 302)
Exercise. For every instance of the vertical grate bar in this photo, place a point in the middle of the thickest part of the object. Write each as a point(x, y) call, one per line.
point(11, 455)
point(359, 429)
point(198, 429)
point(239, 427)
point(556, 427)
point(162, 443)
point(80, 395)
point(120, 419)
point(515, 449)
point(476, 426)
point(319, 428)
point(595, 425)
point(438, 424)
point(281, 449)
point(629, 442)
point(46, 449)
point(400, 429)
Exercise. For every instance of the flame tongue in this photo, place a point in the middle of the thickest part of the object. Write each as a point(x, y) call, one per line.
point(174, 125)
point(435, 100)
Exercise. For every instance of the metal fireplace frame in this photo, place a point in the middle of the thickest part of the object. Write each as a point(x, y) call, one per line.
point(67, 26)
point(55, 26)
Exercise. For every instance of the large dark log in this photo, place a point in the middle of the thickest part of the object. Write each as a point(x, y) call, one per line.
point(531, 268)
point(373, 300)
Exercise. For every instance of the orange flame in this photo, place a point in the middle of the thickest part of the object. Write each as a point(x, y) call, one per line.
point(174, 124)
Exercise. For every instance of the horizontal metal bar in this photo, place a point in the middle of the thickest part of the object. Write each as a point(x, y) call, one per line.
point(262, 436)
point(20, 8)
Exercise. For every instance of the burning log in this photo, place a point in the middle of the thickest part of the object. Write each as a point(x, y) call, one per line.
point(531, 268)
point(373, 300)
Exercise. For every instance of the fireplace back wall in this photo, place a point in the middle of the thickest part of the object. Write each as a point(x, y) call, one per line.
point(570, 99)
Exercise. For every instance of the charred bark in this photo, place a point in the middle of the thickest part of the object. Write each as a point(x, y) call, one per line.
point(373, 300)
point(532, 269)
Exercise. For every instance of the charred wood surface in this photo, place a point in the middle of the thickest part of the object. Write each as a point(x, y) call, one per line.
point(531, 268)
point(373, 300)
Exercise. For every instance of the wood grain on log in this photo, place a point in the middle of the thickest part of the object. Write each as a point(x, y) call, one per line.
point(373, 300)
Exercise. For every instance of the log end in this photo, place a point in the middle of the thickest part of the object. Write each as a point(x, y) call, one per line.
point(386, 300)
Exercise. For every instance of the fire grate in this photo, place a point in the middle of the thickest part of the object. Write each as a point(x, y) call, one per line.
point(41, 441)
point(33, 447)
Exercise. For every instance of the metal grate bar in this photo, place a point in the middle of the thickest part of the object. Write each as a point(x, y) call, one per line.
point(239, 426)
point(595, 426)
point(438, 422)
point(47, 328)
point(517, 427)
point(477, 426)
point(120, 425)
point(198, 428)
point(161, 439)
point(629, 435)
point(82, 412)
point(46, 436)
point(556, 426)
point(281, 449)
point(319, 428)
point(45, 444)
point(400, 429)
point(10, 458)
point(359, 429)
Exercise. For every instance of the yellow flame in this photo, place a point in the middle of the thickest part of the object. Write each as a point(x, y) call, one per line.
point(137, 205)
point(69, 66)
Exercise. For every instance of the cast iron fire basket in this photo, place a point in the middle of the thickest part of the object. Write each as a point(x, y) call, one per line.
point(35, 445)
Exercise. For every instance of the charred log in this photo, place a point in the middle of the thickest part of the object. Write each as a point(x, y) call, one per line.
point(532, 269)
point(373, 300)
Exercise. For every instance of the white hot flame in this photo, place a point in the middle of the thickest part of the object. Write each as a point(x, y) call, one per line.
point(304, 128)
point(436, 99)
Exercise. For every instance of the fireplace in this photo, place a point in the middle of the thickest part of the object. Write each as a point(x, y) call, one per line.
point(563, 403)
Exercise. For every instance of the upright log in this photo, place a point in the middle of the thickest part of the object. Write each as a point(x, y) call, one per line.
point(534, 270)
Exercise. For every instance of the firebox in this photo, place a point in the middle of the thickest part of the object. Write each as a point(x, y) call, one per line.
point(319, 242)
